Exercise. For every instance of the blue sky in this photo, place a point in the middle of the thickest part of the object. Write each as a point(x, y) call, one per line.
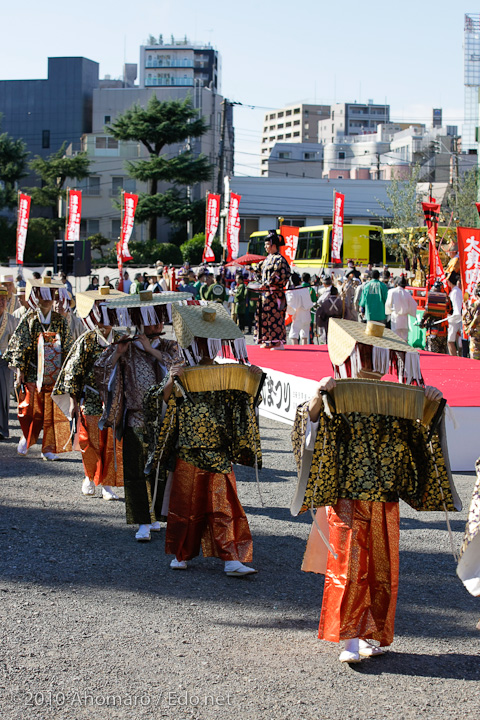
point(273, 53)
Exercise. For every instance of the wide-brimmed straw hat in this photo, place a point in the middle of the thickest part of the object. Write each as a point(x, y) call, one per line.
point(354, 341)
point(87, 299)
point(144, 308)
point(45, 289)
point(209, 321)
point(3, 290)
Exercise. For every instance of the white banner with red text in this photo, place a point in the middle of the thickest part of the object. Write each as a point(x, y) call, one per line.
point(469, 255)
point(74, 215)
point(337, 231)
point(233, 227)
point(290, 235)
point(23, 214)
point(211, 225)
point(130, 202)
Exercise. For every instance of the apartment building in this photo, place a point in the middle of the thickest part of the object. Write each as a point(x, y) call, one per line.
point(291, 124)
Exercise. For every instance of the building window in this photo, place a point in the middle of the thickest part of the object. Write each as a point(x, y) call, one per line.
point(309, 155)
point(90, 185)
point(116, 228)
point(280, 114)
point(341, 155)
point(280, 137)
point(296, 111)
point(284, 155)
point(306, 126)
point(272, 127)
point(272, 116)
point(296, 134)
point(296, 122)
point(106, 143)
point(280, 125)
point(45, 139)
point(288, 135)
point(289, 124)
point(288, 112)
point(107, 119)
point(333, 114)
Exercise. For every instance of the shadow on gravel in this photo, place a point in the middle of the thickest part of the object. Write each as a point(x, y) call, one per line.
point(72, 550)
point(451, 666)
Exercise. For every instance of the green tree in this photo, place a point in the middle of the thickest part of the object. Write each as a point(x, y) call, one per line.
point(460, 200)
point(148, 252)
point(53, 173)
point(192, 250)
point(97, 243)
point(13, 161)
point(39, 246)
point(406, 215)
point(159, 125)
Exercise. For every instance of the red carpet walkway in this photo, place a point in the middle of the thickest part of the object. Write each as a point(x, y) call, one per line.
point(457, 378)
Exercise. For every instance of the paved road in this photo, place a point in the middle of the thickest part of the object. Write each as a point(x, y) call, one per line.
point(96, 625)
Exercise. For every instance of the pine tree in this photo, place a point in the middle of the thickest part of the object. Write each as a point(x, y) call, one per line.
point(159, 125)
point(13, 160)
point(53, 172)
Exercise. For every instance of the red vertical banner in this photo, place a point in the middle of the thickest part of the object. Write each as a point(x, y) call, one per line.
point(74, 215)
point(337, 231)
point(477, 205)
point(23, 214)
point(469, 255)
point(130, 202)
point(120, 266)
point(431, 211)
point(211, 225)
point(290, 235)
point(436, 268)
point(233, 227)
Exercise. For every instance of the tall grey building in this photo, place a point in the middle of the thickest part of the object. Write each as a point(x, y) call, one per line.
point(291, 124)
point(471, 56)
point(47, 113)
point(352, 119)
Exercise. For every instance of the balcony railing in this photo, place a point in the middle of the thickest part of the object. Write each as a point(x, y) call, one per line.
point(164, 82)
point(171, 63)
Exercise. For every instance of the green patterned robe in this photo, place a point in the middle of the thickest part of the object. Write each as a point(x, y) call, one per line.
point(22, 348)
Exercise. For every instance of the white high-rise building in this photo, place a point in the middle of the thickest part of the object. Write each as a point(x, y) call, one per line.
point(471, 55)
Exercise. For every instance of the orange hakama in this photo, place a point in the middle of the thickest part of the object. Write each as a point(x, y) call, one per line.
point(205, 511)
point(361, 585)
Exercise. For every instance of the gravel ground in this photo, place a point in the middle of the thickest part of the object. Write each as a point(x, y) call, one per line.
point(95, 624)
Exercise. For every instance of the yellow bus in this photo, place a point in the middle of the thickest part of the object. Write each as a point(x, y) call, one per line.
point(362, 243)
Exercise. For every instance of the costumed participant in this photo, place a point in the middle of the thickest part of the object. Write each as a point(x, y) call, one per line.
point(75, 323)
point(360, 446)
point(23, 304)
point(76, 394)
point(455, 320)
point(209, 424)
point(373, 298)
point(435, 319)
point(123, 374)
point(8, 282)
point(471, 324)
point(329, 305)
point(37, 350)
point(299, 305)
point(468, 568)
point(8, 323)
point(399, 305)
point(270, 316)
point(454, 262)
point(347, 293)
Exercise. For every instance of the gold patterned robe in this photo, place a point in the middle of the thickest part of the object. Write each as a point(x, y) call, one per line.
point(199, 440)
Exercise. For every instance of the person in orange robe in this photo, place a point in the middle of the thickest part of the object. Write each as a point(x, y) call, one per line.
point(37, 349)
